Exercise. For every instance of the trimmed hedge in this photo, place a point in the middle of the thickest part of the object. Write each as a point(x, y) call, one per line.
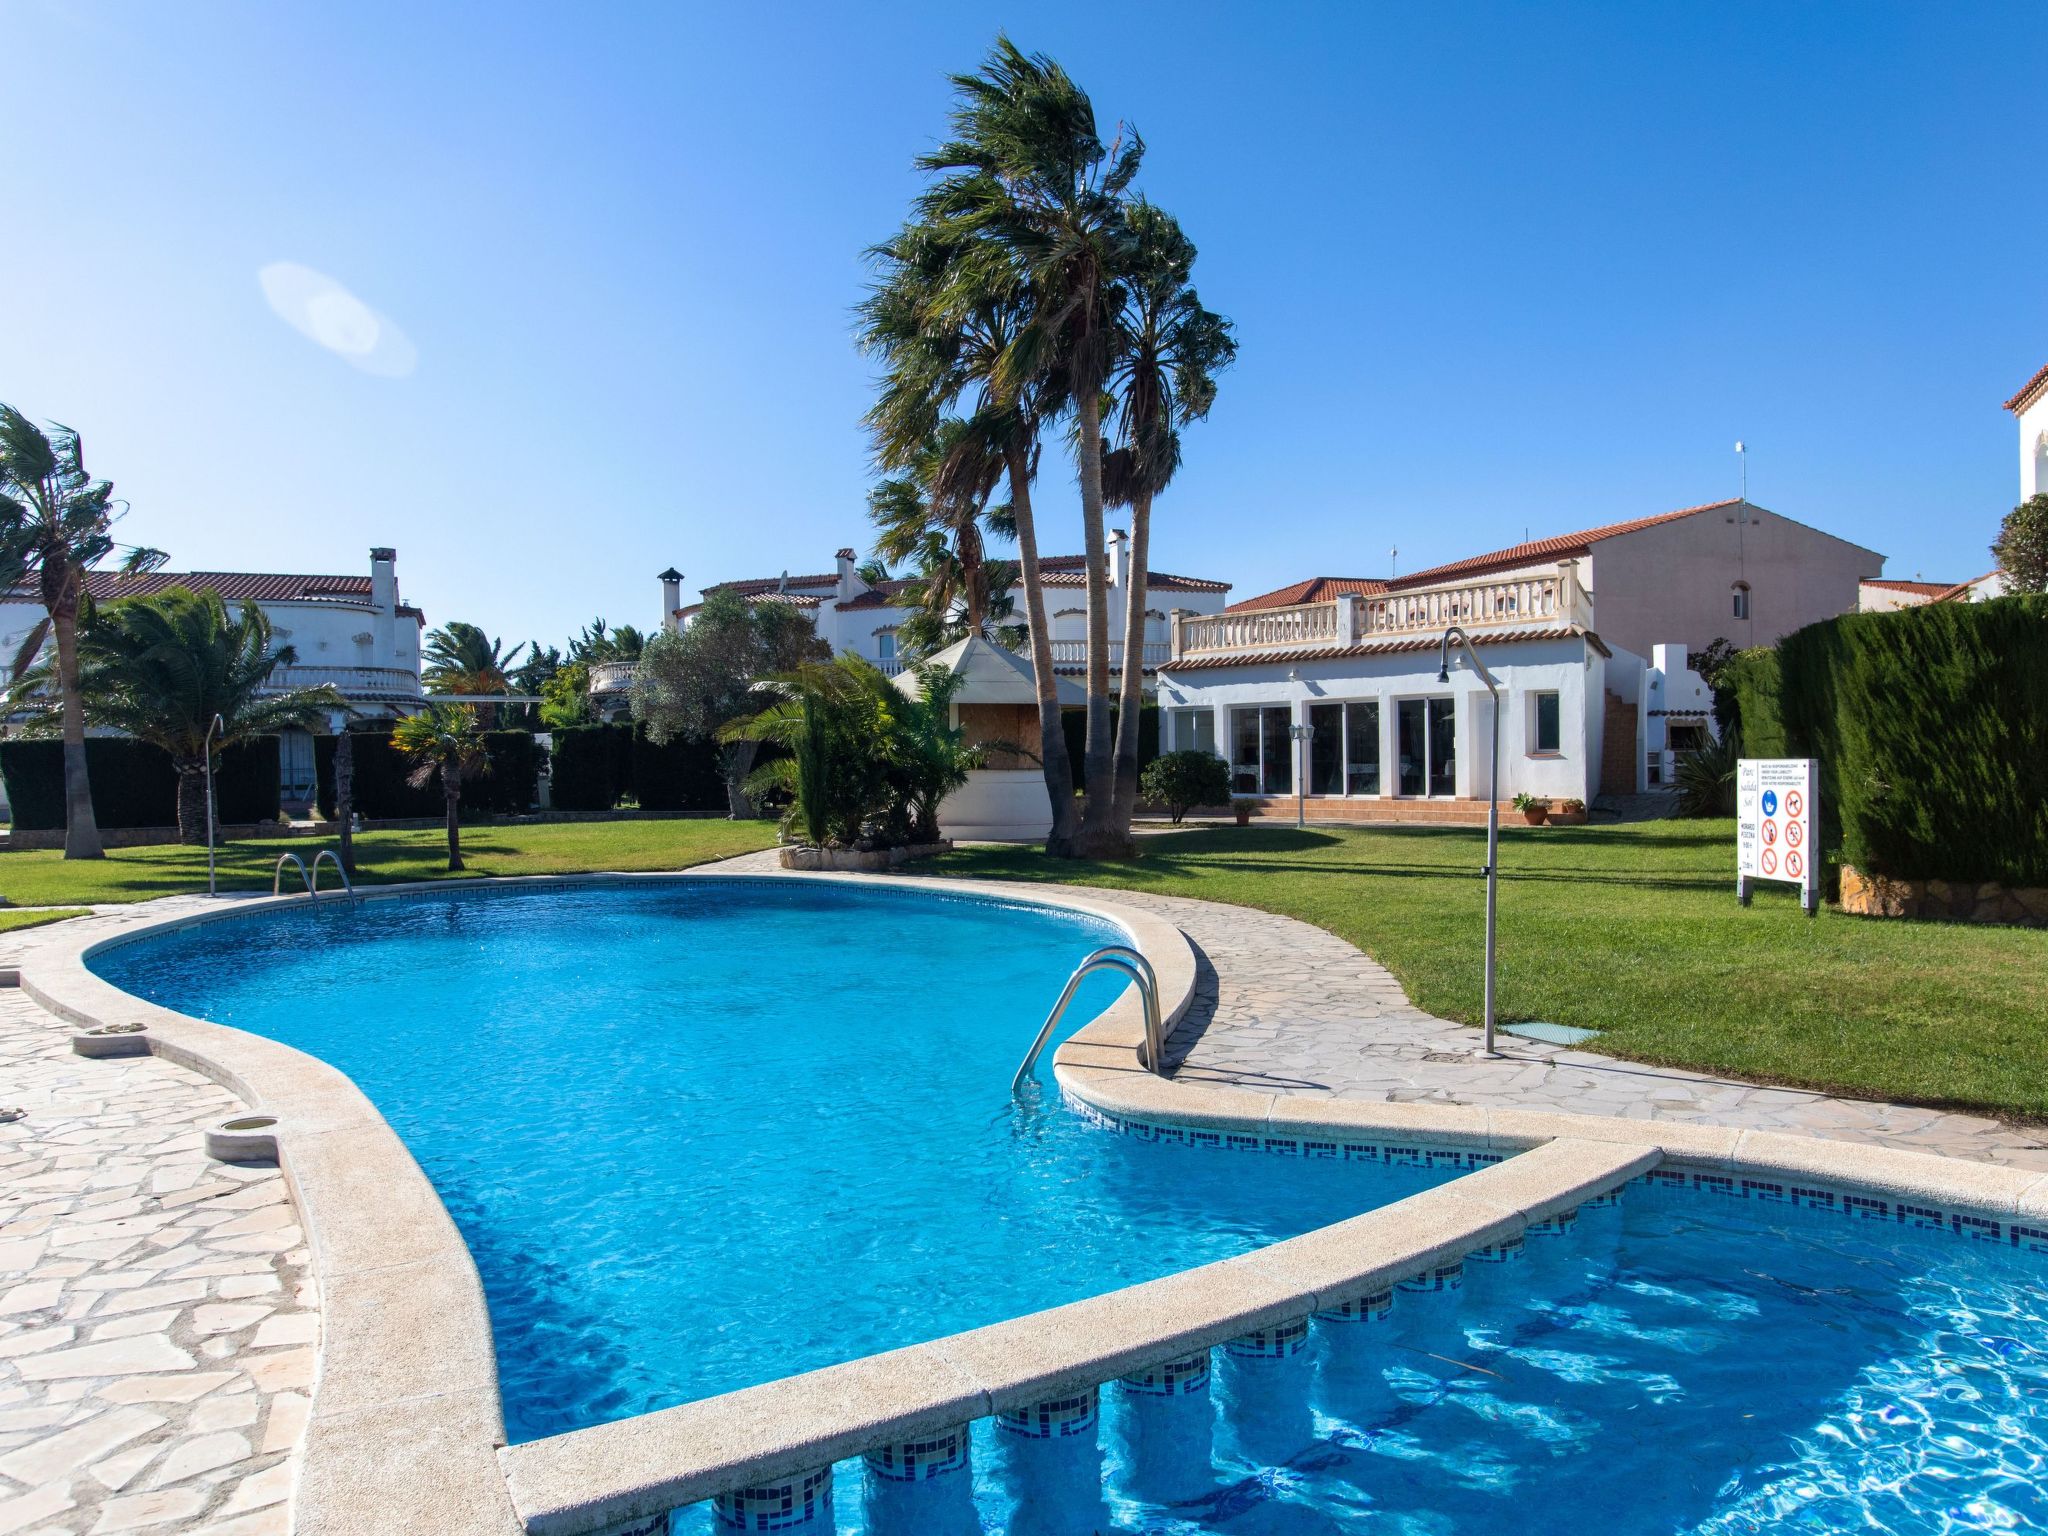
point(1931, 727)
point(134, 784)
point(1075, 723)
point(597, 766)
point(382, 794)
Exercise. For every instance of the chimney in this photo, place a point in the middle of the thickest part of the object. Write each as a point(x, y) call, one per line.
point(1119, 558)
point(384, 604)
point(849, 583)
point(671, 598)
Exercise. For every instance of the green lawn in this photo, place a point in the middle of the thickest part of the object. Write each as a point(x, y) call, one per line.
point(43, 878)
point(10, 921)
point(1634, 930)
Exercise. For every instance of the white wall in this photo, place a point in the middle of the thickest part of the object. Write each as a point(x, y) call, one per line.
point(1522, 670)
point(2034, 449)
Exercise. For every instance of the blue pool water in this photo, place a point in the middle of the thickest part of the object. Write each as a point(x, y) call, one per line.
point(701, 1134)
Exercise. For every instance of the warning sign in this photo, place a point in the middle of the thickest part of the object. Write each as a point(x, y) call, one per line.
point(1775, 802)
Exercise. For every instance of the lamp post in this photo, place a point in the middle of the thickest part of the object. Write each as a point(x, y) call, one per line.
point(1301, 734)
point(1443, 675)
point(217, 725)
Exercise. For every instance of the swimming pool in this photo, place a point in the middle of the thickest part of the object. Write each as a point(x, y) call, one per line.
point(704, 1133)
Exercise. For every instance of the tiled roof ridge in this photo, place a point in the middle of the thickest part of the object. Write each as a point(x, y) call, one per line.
point(2029, 392)
point(1899, 584)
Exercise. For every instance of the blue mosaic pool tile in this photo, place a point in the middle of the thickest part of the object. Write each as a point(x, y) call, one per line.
point(801, 1503)
point(2033, 1239)
point(1171, 1378)
point(1376, 1308)
point(1814, 1199)
point(1868, 1207)
point(1282, 1146)
point(1606, 1200)
point(1057, 1418)
point(1497, 1253)
point(921, 1460)
point(1557, 1225)
point(1444, 1277)
point(1982, 1228)
point(1282, 1341)
point(1923, 1216)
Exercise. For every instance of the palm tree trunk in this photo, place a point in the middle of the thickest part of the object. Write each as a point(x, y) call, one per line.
point(1052, 735)
point(345, 795)
point(191, 799)
point(1131, 694)
point(81, 830)
point(451, 787)
point(1098, 838)
point(737, 759)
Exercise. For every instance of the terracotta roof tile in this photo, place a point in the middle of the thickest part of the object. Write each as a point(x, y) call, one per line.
point(1536, 550)
point(1923, 588)
point(233, 586)
point(2030, 391)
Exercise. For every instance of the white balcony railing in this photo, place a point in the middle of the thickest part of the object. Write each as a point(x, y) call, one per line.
point(1526, 598)
point(355, 682)
point(1074, 653)
point(612, 676)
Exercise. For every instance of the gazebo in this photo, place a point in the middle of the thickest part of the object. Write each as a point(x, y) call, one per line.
point(997, 705)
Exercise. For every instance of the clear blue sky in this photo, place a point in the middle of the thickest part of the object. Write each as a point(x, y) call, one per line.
point(1493, 267)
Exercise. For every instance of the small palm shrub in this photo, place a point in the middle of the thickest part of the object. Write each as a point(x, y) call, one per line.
point(1180, 781)
point(1705, 778)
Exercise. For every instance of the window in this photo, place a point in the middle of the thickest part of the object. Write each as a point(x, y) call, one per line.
point(1260, 749)
point(1426, 739)
point(1411, 716)
point(1443, 737)
point(1544, 733)
point(885, 645)
point(1344, 752)
point(1194, 730)
point(1740, 595)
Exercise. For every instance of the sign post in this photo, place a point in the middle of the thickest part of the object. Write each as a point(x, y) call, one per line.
point(1777, 807)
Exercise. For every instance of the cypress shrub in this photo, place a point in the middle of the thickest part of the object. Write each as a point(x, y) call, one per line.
point(133, 783)
point(592, 767)
point(1931, 729)
point(1754, 678)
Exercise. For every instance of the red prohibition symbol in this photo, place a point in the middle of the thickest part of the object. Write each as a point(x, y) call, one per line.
point(1792, 865)
point(1771, 859)
point(1795, 803)
point(1770, 832)
point(1795, 833)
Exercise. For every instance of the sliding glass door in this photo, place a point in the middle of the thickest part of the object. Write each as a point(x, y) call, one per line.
point(1427, 736)
point(1261, 751)
point(1344, 753)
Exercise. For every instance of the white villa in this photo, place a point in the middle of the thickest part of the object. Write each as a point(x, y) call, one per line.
point(861, 618)
point(353, 632)
point(1330, 689)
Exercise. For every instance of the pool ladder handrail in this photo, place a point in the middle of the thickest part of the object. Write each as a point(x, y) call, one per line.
point(1111, 957)
point(312, 876)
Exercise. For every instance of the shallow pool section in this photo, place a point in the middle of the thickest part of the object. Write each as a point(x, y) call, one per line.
point(700, 1134)
point(1680, 1363)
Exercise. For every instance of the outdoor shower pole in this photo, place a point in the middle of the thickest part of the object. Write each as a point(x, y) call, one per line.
point(1443, 675)
point(217, 725)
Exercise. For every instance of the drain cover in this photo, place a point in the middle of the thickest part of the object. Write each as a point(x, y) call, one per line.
point(1552, 1034)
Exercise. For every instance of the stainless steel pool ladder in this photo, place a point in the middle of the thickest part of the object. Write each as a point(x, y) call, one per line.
point(312, 876)
point(1111, 957)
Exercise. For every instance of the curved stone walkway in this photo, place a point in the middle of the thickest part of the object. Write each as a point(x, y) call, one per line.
point(1285, 1007)
point(157, 1331)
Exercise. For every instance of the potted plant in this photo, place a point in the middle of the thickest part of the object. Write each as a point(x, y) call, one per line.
point(1569, 813)
point(1244, 812)
point(1533, 810)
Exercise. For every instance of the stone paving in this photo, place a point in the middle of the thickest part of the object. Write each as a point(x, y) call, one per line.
point(157, 1328)
point(1284, 1007)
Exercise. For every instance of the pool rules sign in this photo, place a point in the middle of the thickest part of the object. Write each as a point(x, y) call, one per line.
point(1777, 806)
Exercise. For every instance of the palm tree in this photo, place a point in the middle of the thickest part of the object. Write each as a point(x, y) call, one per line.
point(938, 350)
point(1168, 350)
point(56, 523)
point(933, 517)
point(161, 668)
point(463, 659)
point(1039, 203)
point(444, 739)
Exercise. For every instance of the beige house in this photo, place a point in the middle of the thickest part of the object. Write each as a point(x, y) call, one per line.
point(1727, 570)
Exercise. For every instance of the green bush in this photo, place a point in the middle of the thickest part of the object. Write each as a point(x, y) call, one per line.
point(133, 783)
point(382, 793)
point(683, 775)
point(592, 767)
point(1931, 729)
point(1180, 781)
